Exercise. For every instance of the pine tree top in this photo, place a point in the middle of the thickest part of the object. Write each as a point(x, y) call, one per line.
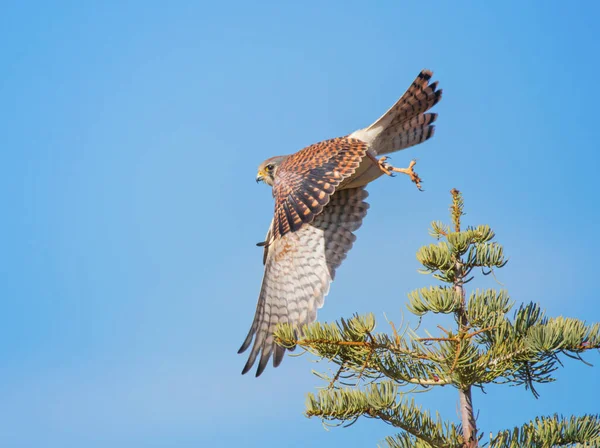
point(493, 342)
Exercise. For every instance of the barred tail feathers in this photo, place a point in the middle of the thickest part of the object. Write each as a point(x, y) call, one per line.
point(406, 123)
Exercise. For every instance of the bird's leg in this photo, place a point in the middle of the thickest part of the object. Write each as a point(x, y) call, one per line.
point(390, 170)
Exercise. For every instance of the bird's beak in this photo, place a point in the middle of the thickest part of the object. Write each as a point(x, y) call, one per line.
point(259, 177)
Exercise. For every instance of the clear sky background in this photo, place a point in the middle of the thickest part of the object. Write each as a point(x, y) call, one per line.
point(130, 133)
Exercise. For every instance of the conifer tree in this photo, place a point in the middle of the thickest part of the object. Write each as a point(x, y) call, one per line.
point(491, 341)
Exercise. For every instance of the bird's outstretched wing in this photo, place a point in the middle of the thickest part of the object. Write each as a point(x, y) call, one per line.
point(299, 266)
point(306, 180)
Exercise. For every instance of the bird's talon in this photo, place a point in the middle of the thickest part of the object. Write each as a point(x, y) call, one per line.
point(390, 170)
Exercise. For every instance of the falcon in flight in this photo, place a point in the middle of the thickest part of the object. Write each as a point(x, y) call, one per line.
point(320, 197)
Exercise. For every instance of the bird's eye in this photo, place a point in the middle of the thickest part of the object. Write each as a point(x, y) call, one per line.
point(270, 167)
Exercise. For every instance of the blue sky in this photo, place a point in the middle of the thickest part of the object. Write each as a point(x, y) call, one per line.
point(131, 132)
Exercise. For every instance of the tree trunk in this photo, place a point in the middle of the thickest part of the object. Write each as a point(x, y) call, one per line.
point(468, 418)
point(466, 401)
point(469, 425)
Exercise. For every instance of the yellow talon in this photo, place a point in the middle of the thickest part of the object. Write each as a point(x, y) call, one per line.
point(388, 169)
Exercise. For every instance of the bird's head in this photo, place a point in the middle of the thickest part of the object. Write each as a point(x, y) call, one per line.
point(267, 170)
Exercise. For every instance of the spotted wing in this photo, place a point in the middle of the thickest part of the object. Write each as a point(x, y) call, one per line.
point(306, 180)
point(299, 268)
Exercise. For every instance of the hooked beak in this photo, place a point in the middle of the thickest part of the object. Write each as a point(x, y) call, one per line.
point(259, 177)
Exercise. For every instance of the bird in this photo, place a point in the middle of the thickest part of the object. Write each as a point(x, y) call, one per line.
point(319, 194)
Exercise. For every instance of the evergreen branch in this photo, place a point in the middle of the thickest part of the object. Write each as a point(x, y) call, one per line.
point(552, 431)
point(337, 375)
point(456, 209)
point(436, 299)
point(403, 366)
point(529, 348)
point(360, 353)
point(383, 401)
point(488, 308)
point(482, 233)
point(405, 440)
point(439, 230)
point(396, 335)
point(563, 334)
point(436, 381)
point(486, 255)
point(523, 352)
point(457, 338)
point(436, 258)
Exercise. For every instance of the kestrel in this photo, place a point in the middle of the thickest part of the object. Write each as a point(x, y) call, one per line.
point(320, 197)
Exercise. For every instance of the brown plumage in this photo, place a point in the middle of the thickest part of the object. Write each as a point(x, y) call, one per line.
point(319, 202)
point(307, 179)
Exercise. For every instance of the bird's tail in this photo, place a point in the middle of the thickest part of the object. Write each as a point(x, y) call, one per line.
point(406, 123)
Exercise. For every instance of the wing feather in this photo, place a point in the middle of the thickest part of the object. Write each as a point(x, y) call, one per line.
point(306, 180)
point(299, 267)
